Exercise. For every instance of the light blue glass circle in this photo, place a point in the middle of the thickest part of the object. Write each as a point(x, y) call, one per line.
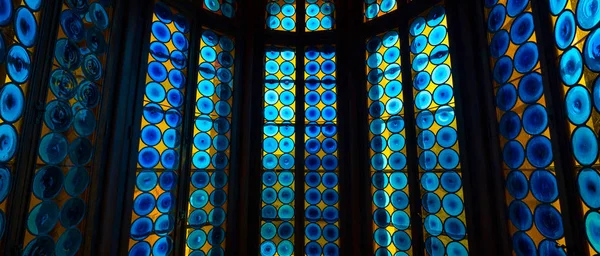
point(571, 66)
point(565, 29)
point(588, 182)
point(588, 13)
point(578, 104)
point(585, 145)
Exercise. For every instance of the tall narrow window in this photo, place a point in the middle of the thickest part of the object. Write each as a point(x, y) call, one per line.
point(278, 156)
point(531, 185)
point(281, 15)
point(223, 7)
point(378, 8)
point(320, 15)
point(153, 216)
point(442, 197)
point(321, 208)
point(207, 209)
point(66, 149)
point(389, 175)
point(18, 40)
point(577, 39)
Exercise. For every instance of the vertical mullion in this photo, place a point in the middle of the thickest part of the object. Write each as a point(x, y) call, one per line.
point(183, 189)
point(411, 144)
point(300, 126)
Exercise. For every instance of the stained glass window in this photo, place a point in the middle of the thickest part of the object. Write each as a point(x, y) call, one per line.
point(278, 156)
point(532, 191)
point(153, 217)
point(577, 39)
point(442, 197)
point(207, 209)
point(66, 149)
point(18, 40)
point(378, 8)
point(223, 7)
point(321, 207)
point(281, 15)
point(389, 175)
point(320, 15)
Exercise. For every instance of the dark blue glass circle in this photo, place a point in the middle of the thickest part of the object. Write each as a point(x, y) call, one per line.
point(455, 228)
point(141, 228)
point(496, 18)
point(551, 248)
point(548, 221)
point(26, 27)
point(161, 32)
point(67, 54)
point(544, 186)
point(539, 151)
point(535, 119)
point(526, 57)
point(499, 44)
point(503, 69)
point(163, 246)
point(564, 29)
point(42, 218)
point(153, 113)
point(164, 224)
point(589, 187)
point(177, 78)
point(585, 145)
point(88, 94)
point(578, 104)
point(523, 244)
point(513, 154)
point(48, 182)
point(52, 150)
point(84, 122)
point(81, 151)
point(41, 245)
point(98, 15)
point(5, 186)
point(72, 25)
point(448, 159)
point(531, 88)
point(522, 28)
point(148, 157)
point(6, 12)
point(58, 115)
point(167, 180)
point(157, 71)
point(18, 64)
point(381, 218)
point(165, 202)
point(510, 125)
point(506, 97)
point(520, 215)
point(517, 184)
point(72, 212)
point(144, 204)
point(198, 218)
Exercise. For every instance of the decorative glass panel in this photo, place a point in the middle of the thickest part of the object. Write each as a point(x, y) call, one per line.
point(207, 209)
point(577, 41)
point(389, 174)
point(153, 216)
point(281, 15)
point(531, 185)
point(18, 41)
point(442, 196)
point(378, 8)
point(321, 197)
point(319, 15)
point(223, 7)
point(278, 156)
point(64, 165)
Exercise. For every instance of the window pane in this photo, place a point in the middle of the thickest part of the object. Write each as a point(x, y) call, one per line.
point(531, 185)
point(577, 48)
point(321, 197)
point(281, 15)
point(207, 209)
point(153, 216)
point(223, 7)
point(378, 8)
point(68, 138)
point(440, 172)
point(320, 15)
point(389, 175)
point(17, 48)
point(278, 156)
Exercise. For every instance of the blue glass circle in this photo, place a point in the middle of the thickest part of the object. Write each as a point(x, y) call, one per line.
point(418, 44)
point(431, 203)
point(52, 150)
point(430, 181)
point(548, 221)
point(564, 29)
point(6, 12)
point(427, 160)
point(513, 154)
point(571, 66)
point(441, 74)
point(588, 13)
point(517, 184)
point(496, 18)
point(68, 243)
point(523, 244)
point(520, 215)
point(578, 104)
point(421, 80)
point(539, 151)
point(26, 27)
point(535, 119)
point(98, 15)
point(157, 71)
point(531, 88)
point(5, 186)
point(42, 218)
point(72, 212)
point(592, 224)
point(551, 247)
point(434, 246)
point(590, 49)
point(164, 224)
point(443, 94)
point(155, 92)
point(18, 64)
point(161, 32)
point(66, 53)
point(455, 228)
point(452, 204)
point(12, 102)
point(146, 180)
point(544, 186)
point(522, 28)
point(417, 26)
point(48, 182)
point(144, 204)
point(41, 245)
point(526, 57)
point(141, 228)
point(72, 25)
point(588, 182)
point(514, 7)
point(503, 69)
point(585, 145)
point(510, 125)
point(448, 159)
point(437, 35)
point(506, 97)
point(556, 6)
point(451, 181)
point(499, 44)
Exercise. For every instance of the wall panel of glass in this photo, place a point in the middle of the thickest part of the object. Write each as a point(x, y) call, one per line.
point(158, 161)
point(211, 151)
point(535, 219)
point(378, 8)
point(576, 40)
point(281, 15)
point(226, 8)
point(320, 15)
point(59, 198)
point(19, 33)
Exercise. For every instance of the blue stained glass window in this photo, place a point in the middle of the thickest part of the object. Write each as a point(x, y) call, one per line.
point(576, 37)
point(534, 213)
point(440, 174)
point(153, 216)
point(281, 15)
point(320, 15)
point(389, 172)
point(378, 8)
point(207, 209)
point(66, 149)
point(321, 197)
point(278, 156)
point(17, 49)
point(226, 8)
